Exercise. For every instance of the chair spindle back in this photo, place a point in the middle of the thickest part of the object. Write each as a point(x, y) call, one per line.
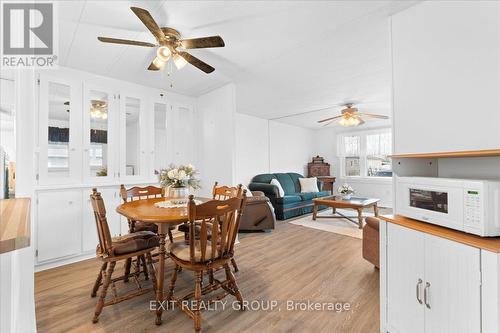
point(223, 218)
point(103, 232)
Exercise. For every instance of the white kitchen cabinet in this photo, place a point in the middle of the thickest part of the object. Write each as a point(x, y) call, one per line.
point(445, 69)
point(405, 267)
point(133, 136)
point(100, 134)
point(58, 224)
point(59, 129)
point(139, 134)
point(433, 285)
point(454, 276)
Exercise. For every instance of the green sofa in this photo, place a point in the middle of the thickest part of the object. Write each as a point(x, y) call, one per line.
point(293, 203)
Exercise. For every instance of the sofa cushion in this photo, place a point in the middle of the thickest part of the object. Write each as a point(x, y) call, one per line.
point(307, 196)
point(288, 199)
point(263, 178)
point(323, 194)
point(308, 185)
point(286, 182)
point(276, 183)
point(295, 178)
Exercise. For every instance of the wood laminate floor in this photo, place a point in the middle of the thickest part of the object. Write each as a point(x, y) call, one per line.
point(292, 263)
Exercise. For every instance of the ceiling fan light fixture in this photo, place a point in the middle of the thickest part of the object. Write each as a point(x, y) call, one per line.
point(163, 53)
point(350, 121)
point(179, 61)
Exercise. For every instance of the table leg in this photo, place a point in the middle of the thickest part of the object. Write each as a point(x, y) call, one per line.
point(161, 273)
point(334, 210)
point(360, 218)
point(375, 210)
point(315, 211)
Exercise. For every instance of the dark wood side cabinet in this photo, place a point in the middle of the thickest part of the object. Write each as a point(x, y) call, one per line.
point(320, 169)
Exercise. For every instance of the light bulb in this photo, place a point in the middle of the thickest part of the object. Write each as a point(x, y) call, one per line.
point(163, 53)
point(104, 115)
point(158, 63)
point(179, 61)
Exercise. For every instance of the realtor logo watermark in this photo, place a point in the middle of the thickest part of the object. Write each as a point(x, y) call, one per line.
point(28, 35)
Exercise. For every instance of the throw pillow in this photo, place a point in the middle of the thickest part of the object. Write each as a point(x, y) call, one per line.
point(308, 184)
point(280, 189)
point(249, 193)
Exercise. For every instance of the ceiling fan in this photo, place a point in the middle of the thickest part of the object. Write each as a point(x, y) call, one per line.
point(169, 40)
point(351, 117)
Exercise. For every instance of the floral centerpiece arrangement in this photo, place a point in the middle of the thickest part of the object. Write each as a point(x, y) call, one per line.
point(178, 180)
point(346, 191)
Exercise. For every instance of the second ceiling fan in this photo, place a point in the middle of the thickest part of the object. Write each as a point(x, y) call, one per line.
point(351, 117)
point(169, 40)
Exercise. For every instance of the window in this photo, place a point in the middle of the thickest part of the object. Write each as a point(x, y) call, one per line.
point(366, 154)
point(352, 148)
point(378, 147)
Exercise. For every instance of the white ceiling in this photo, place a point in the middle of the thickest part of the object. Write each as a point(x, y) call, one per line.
point(286, 57)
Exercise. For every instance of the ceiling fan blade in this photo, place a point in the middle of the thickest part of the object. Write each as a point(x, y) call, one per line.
point(330, 122)
point(124, 41)
point(156, 65)
point(328, 119)
point(149, 22)
point(369, 115)
point(197, 62)
point(203, 42)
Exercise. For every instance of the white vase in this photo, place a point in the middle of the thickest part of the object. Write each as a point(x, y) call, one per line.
point(178, 194)
point(347, 196)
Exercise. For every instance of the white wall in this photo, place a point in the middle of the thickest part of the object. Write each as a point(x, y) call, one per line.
point(264, 146)
point(290, 148)
point(252, 147)
point(215, 118)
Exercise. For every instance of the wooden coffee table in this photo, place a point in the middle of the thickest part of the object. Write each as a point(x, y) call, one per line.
point(355, 203)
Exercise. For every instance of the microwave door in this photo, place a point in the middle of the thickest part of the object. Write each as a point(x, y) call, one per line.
point(429, 200)
point(437, 205)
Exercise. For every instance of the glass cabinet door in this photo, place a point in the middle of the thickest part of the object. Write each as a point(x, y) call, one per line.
point(99, 117)
point(132, 153)
point(161, 158)
point(59, 131)
point(184, 134)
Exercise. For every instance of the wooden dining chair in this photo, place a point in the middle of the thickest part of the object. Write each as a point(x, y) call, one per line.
point(206, 254)
point(218, 193)
point(113, 249)
point(223, 193)
point(141, 193)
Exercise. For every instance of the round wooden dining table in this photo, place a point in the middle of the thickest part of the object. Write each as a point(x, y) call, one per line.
point(145, 211)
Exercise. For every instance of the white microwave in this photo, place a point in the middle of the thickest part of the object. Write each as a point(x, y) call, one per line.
point(472, 206)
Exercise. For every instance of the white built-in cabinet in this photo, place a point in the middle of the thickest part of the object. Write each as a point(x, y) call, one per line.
point(433, 284)
point(58, 222)
point(446, 79)
point(99, 132)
